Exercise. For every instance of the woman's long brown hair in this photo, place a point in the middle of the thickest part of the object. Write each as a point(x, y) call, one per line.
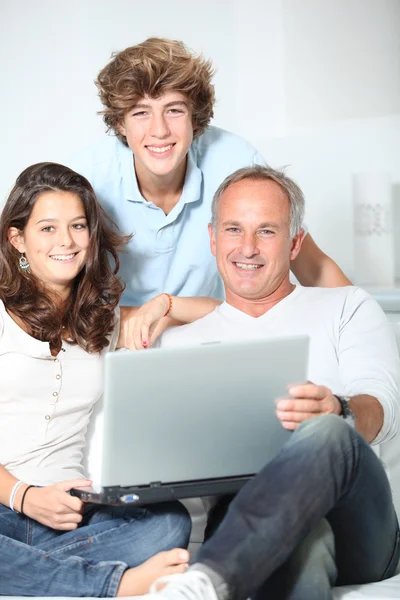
point(88, 314)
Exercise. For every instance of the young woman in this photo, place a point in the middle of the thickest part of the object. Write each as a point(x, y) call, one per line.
point(58, 316)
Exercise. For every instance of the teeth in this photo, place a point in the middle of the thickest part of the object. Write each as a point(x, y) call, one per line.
point(62, 256)
point(248, 267)
point(160, 150)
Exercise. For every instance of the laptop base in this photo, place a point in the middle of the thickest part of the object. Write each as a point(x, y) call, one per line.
point(160, 492)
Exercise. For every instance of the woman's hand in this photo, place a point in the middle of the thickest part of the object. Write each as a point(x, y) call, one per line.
point(54, 507)
point(138, 327)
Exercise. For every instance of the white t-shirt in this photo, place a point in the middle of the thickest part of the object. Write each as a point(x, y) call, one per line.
point(353, 349)
point(45, 404)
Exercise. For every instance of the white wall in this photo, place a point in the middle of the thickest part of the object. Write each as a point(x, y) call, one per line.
point(313, 83)
point(342, 60)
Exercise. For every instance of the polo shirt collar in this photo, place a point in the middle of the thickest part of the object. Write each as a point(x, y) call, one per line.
point(193, 180)
point(128, 176)
point(191, 188)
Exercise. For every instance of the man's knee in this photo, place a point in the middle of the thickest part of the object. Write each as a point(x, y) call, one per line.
point(326, 429)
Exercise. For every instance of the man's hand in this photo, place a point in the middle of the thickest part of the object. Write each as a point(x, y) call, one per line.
point(54, 507)
point(307, 401)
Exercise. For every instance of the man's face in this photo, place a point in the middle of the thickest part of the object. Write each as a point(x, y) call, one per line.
point(159, 133)
point(252, 243)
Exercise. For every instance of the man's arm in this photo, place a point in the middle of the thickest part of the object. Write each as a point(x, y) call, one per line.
point(369, 366)
point(310, 400)
point(368, 412)
point(313, 268)
point(369, 371)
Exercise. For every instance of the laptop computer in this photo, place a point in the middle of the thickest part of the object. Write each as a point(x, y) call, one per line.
point(193, 421)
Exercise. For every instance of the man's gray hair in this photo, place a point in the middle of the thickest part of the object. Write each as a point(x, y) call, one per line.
point(261, 173)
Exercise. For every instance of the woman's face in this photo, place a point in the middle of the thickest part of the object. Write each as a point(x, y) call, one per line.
point(55, 239)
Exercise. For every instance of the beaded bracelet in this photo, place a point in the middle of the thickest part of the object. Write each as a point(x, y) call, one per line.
point(170, 304)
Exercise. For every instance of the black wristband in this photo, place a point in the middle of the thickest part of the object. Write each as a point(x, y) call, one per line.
point(21, 512)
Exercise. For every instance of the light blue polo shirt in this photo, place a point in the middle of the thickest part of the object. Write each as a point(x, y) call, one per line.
point(168, 253)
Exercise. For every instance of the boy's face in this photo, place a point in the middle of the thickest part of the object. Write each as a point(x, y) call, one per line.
point(159, 132)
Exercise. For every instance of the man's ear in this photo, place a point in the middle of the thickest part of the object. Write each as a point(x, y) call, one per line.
point(16, 238)
point(213, 241)
point(296, 244)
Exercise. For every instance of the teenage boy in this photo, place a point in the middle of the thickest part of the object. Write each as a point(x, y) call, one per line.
point(157, 174)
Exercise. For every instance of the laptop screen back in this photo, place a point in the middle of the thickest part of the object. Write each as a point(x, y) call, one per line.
point(196, 413)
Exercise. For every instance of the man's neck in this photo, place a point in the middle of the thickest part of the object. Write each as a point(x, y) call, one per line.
point(163, 191)
point(258, 307)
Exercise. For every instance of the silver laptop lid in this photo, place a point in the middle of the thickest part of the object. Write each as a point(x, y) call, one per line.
point(196, 413)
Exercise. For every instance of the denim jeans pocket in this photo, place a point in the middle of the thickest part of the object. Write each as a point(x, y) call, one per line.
point(394, 559)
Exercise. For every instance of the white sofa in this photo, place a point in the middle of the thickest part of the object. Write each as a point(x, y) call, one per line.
point(383, 590)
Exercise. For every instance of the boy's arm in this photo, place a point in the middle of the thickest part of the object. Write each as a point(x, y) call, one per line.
point(313, 268)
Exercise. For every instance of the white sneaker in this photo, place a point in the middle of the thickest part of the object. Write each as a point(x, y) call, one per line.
point(192, 585)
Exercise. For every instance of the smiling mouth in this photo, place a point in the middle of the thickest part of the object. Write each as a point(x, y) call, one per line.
point(160, 149)
point(63, 257)
point(247, 266)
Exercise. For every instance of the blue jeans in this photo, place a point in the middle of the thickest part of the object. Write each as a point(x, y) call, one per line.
point(89, 561)
point(319, 514)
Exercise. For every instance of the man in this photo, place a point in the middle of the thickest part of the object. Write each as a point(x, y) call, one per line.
point(157, 174)
point(320, 513)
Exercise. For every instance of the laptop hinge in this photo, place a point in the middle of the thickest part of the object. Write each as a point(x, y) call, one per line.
point(154, 484)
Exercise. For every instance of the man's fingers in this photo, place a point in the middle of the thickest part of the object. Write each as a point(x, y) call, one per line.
point(305, 406)
point(290, 425)
point(294, 417)
point(309, 390)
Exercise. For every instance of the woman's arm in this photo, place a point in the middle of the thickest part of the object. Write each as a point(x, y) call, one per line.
point(140, 327)
point(313, 268)
point(7, 482)
point(51, 505)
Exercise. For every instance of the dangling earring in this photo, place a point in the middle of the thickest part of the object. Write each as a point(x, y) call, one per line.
point(23, 264)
